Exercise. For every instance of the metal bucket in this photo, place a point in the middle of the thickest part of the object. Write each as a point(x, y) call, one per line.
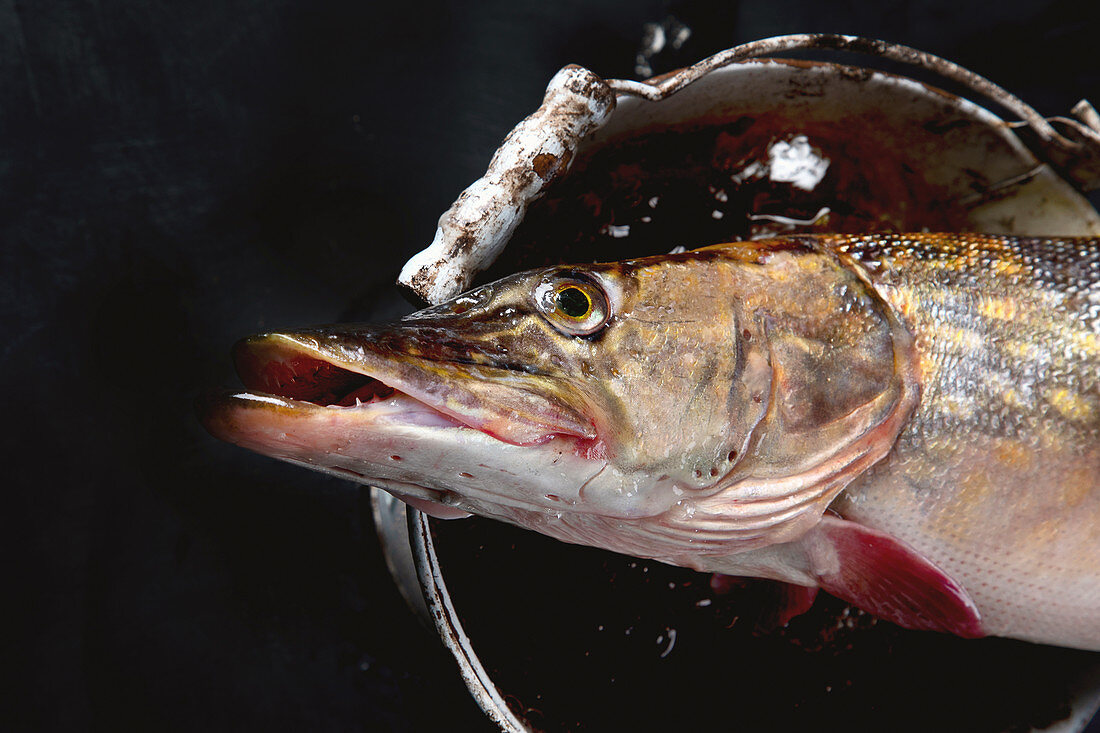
point(731, 148)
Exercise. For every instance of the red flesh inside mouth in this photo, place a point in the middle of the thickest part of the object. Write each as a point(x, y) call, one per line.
point(309, 379)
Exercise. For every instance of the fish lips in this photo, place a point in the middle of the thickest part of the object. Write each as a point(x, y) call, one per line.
point(347, 365)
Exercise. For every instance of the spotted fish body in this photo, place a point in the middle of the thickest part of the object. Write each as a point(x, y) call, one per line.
point(996, 477)
point(910, 422)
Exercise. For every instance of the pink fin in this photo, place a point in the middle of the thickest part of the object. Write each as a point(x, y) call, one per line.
point(884, 576)
point(791, 602)
point(779, 602)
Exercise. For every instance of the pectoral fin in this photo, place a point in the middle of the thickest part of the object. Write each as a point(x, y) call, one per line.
point(791, 601)
point(779, 602)
point(885, 577)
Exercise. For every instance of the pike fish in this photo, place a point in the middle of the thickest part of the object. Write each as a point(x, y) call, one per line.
point(909, 422)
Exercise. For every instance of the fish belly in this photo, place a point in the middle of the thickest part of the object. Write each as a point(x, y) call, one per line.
point(1019, 530)
point(996, 477)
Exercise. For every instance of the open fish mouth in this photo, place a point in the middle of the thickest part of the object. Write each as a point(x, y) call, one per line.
point(359, 403)
point(301, 377)
point(358, 367)
point(284, 371)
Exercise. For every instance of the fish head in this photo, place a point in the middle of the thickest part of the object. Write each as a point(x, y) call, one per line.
point(604, 404)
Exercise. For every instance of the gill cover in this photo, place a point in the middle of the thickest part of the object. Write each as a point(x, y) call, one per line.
point(843, 379)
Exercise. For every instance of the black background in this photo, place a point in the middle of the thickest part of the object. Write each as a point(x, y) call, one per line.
point(174, 175)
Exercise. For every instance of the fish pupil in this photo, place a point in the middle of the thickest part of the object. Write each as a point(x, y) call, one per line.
point(573, 302)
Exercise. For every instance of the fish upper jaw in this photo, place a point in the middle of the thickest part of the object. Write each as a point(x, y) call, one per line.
point(337, 365)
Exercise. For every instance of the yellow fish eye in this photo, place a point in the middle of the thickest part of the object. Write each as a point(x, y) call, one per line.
point(572, 305)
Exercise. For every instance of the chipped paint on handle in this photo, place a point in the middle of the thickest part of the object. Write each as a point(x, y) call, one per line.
point(478, 225)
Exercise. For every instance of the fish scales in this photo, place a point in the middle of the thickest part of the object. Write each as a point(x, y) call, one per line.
point(995, 476)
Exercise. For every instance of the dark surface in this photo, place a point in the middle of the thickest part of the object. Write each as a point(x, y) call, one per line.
point(176, 175)
point(630, 632)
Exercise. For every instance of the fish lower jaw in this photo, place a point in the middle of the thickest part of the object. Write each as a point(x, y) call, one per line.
point(407, 447)
point(397, 406)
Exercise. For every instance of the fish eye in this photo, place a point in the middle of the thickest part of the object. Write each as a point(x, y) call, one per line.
point(574, 302)
point(573, 306)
